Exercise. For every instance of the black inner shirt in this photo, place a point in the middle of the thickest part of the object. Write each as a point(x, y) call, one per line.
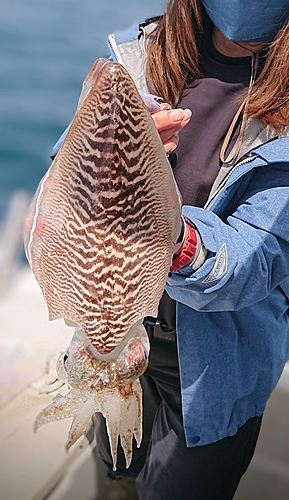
point(214, 100)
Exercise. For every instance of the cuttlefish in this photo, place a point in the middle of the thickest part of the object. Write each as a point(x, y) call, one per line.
point(99, 238)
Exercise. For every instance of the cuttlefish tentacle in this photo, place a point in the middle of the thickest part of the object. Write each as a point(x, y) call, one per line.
point(124, 420)
point(102, 383)
point(61, 407)
point(81, 420)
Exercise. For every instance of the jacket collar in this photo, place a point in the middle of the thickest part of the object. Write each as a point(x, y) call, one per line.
point(132, 53)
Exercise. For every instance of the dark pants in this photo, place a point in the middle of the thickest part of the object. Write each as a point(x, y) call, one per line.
point(165, 467)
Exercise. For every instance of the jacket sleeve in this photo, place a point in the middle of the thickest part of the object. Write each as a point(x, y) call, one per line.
point(248, 251)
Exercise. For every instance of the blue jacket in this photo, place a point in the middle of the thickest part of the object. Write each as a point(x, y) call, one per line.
point(232, 313)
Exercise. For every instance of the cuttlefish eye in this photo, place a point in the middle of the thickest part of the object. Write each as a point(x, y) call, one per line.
point(61, 366)
point(133, 360)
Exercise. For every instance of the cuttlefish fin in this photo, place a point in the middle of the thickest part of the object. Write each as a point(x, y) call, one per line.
point(69, 322)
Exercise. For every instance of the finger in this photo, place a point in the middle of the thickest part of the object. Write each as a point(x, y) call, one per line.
point(171, 119)
point(171, 144)
point(171, 133)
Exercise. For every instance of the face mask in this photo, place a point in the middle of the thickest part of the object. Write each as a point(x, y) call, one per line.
point(248, 20)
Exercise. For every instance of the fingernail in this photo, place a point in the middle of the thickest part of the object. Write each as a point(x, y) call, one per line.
point(177, 115)
point(188, 114)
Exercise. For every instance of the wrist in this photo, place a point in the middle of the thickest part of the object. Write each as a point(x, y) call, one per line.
point(187, 245)
point(181, 236)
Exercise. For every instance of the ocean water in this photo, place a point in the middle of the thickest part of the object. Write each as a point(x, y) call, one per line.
point(46, 50)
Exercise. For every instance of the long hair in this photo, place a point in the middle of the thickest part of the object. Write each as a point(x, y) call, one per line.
point(173, 51)
point(173, 55)
point(269, 100)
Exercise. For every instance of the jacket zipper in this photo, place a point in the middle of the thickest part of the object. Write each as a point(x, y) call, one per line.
point(224, 181)
point(114, 48)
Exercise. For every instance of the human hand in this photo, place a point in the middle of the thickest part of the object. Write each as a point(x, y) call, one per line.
point(168, 124)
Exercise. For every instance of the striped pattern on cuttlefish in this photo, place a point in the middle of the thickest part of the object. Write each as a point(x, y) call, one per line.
point(99, 238)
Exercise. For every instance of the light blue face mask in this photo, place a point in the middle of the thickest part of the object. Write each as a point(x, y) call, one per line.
point(248, 20)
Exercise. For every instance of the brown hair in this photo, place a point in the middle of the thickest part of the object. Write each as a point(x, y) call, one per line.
point(173, 49)
point(269, 100)
point(173, 54)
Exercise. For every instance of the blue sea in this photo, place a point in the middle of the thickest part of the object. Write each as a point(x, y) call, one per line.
point(46, 49)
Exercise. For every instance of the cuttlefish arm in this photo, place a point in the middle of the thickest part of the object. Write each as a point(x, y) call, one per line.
point(102, 383)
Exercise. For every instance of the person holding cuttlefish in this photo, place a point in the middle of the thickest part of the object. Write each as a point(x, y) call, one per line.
point(220, 337)
point(220, 340)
